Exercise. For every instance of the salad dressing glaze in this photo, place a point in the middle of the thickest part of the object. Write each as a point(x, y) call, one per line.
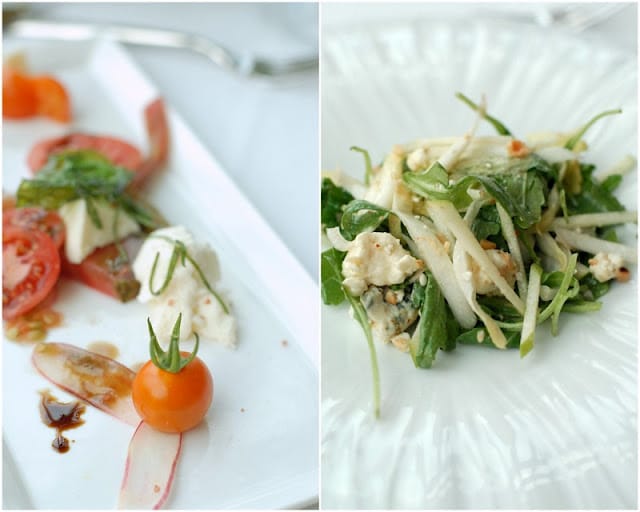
point(61, 416)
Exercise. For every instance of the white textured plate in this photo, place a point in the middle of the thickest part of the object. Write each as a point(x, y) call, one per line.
point(482, 429)
point(258, 447)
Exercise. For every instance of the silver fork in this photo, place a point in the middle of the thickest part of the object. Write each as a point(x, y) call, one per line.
point(580, 17)
point(242, 64)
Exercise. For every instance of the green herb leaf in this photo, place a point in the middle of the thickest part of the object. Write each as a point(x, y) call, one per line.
point(472, 337)
point(331, 277)
point(361, 216)
point(499, 127)
point(367, 163)
point(360, 314)
point(516, 183)
point(571, 143)
point(332, 201)
point(82, 174)
point(433, 329)
point(487, 223)
point(591, 289)
point(594, 197)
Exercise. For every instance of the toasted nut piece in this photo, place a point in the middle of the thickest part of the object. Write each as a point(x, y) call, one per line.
point(487, 244)
point(623, 275)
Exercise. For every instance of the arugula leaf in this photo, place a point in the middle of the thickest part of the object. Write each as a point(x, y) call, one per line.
point(331, 277)
point(499, 127)
point(594, 197)
point(571, 143)
point(611, 182)
point(486, 223)
point(434, 329)
point(360, 216)
point(367, 163)
point(499, 308)
point(418, 293)
point(333, 293)
point(521, 195)
point(472, 336)
point(430, 184)
point(332, 200)
point(591, 289)
point(360, 314)
point(516, 183)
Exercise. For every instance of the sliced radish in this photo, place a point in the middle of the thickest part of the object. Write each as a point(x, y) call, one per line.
point(150, 468)
point(96, 379)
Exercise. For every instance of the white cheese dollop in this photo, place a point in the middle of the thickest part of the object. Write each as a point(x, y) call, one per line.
point(378, 259)
point(186, 293)
point(83, 236)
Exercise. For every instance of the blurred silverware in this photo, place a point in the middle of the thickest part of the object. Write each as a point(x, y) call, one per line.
point(243, 64)
point(579, 17)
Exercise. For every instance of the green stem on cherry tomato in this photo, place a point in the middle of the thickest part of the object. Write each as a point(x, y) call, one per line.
point(171, 360)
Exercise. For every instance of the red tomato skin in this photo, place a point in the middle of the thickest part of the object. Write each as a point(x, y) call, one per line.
point(97, 271)
point(45, 258)
point(173, 402)
point(118, 151)
point(29, 218)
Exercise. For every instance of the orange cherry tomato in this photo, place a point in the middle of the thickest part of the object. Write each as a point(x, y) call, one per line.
point(25, 96)
point(19, 98)
point(52, 98)
point(173, 402)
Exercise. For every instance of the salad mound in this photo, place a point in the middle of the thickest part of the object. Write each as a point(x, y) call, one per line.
point(473, 240)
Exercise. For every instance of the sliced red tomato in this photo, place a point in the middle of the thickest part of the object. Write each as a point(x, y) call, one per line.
point(118, 151)
point(52, 98)
point(19, 100)
point(35, 218)
point(105, 271)
point(30, 270)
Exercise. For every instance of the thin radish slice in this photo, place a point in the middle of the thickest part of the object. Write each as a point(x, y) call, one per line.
point(150, 468)
point(96, 379)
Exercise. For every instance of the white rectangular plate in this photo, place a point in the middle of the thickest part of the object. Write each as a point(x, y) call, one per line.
point(258, 445)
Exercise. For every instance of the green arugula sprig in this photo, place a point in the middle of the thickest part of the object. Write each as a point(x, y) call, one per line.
point(334, 293)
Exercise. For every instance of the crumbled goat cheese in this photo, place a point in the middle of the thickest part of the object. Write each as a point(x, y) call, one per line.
point(506, 266)
point(418, 159)
point(378, 259)
point(605, 266)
